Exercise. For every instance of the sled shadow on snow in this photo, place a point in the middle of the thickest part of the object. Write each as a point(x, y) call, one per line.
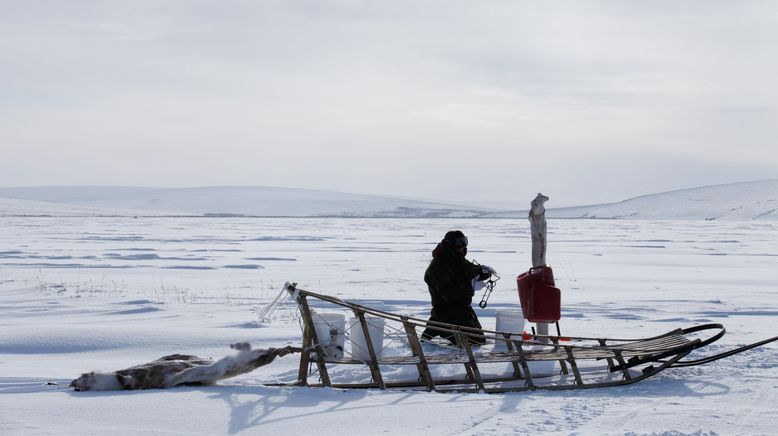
point(248, 413)
point(254, 405)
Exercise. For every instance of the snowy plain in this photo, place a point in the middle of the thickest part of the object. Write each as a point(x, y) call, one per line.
point(97, 293)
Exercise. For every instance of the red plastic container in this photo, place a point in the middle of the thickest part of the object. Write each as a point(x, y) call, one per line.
point(525, 281)
point(540, 300)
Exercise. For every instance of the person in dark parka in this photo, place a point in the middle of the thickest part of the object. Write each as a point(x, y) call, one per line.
point(450, 278)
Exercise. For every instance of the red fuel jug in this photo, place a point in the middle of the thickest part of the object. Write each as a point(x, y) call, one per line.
point(540, 300)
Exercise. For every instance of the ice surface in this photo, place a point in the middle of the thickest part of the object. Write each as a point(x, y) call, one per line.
point(636, 278)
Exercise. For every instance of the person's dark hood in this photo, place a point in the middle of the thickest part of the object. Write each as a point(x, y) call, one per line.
point(445, 250)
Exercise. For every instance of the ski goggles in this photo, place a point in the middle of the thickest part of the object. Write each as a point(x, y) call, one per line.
point(460, 242)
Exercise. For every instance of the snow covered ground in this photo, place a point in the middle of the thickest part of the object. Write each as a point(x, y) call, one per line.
point(99, 293)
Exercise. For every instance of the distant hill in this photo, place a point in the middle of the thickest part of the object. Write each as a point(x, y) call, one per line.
point(222, 201)
point(737, 201)
point(21, 207)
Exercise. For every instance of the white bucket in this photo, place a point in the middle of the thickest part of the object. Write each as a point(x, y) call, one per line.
point(509, 321)
point(541, 368)
point(512, 321)
point(330, 329)
point(375, 329)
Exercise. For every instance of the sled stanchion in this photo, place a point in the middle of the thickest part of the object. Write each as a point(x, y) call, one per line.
point(375, 370)
point(574, 366)
point(418, 352)
point(471, 365)
point(460, 342)
point(305, 357)
point(623, 366)
point(325, 378)
point(516, 368)
point(562, 362)
point(524, 365)
point(609, 360)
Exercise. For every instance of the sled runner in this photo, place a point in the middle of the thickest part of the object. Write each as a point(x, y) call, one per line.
point(507, 362)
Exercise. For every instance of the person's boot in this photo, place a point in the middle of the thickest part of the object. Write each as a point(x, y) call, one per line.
point(427, 335)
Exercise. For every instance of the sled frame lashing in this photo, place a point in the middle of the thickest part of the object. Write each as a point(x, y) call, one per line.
point(577, 362)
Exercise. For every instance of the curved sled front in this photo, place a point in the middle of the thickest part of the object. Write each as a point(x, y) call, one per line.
point(506, 363)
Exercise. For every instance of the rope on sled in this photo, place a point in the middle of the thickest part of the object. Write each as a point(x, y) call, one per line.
point(267, 311)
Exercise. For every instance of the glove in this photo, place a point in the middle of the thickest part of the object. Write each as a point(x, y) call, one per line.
point(486, 272)
point(478, 285)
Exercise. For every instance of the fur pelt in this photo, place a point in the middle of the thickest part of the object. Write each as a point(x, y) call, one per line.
point(180, 369)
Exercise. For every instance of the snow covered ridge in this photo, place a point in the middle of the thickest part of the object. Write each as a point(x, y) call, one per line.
point(10, 207)
point(738, 201)
point(219, 202)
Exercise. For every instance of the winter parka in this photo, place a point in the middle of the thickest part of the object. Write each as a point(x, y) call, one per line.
point(449, 278)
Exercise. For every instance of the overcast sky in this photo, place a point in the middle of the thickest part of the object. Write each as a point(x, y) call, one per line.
point(467, 101)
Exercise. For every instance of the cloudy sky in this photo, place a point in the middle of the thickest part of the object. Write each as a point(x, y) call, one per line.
point(467, 101)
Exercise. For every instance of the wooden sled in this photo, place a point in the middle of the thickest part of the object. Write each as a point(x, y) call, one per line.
point(506, 363)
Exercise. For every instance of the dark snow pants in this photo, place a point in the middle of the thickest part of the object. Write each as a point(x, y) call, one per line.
point(462, 315)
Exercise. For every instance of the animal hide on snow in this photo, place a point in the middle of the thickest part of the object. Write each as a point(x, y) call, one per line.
point(180, 369)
